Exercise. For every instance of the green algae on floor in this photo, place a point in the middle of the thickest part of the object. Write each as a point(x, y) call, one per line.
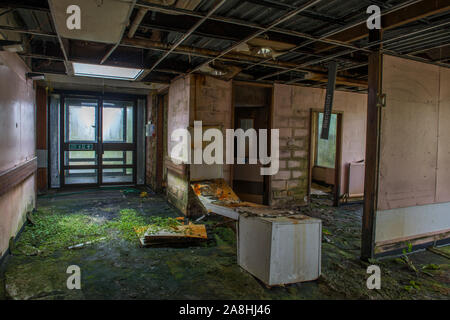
point(51, 231)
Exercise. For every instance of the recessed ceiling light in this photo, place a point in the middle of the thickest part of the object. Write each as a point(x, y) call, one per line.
point(264, 51)
point(218, 72)
point(108, 72)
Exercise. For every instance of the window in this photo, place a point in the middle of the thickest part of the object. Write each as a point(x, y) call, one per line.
point(247, 124)
point(326, 149)
point(100, 71)
point(118, 121)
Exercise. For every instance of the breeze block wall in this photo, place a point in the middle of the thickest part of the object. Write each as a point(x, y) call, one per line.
point(291, 114)
point(290, 184)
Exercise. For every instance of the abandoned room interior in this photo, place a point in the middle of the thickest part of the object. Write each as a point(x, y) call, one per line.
point(342, 192)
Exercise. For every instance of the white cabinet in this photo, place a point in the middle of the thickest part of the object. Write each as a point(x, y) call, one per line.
point(280, 250)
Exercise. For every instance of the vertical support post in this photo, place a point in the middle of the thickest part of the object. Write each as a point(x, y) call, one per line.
point(100, 147)
point(41, 138)
point(54, 141)
point(338, 162)
point(140, 142)
point(372, 151)
point(159, 104)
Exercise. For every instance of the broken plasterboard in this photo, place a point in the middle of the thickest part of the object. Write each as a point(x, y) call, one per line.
point(217, 197)
point(177, 234)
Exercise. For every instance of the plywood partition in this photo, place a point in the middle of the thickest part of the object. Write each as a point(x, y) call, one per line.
point(414, 167)
point(443, 176)
point(409, 134)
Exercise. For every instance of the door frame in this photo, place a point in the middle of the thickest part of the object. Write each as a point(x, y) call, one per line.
point(100, 146)
point(267, 180)
point(338, 158)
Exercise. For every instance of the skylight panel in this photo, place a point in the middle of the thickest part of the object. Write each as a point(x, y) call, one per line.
point(108, 72)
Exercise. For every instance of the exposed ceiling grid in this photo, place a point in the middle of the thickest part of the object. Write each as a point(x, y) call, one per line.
point(289, 41)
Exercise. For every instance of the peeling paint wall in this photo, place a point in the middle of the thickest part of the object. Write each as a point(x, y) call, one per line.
point(18, 142)
point(291, 114)
point(414, 167)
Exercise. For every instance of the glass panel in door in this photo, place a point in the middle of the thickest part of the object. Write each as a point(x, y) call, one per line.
point(118, 158)
point(80, 141)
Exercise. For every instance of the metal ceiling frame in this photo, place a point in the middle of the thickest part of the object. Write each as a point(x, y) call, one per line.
point(278, 21)
point(216, 7)
point(407, 45)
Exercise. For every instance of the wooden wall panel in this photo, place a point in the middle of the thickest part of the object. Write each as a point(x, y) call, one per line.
point(409, 134)
point(443, 173)
point(414, 173)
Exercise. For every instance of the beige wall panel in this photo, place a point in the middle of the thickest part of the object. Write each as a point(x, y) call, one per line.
point(17, 142)
point(408, 153)
point(17, 112)
point(443, 176)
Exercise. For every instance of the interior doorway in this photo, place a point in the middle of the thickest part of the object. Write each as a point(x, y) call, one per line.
point(325, 163)
point(252, 105)
point(98, 141)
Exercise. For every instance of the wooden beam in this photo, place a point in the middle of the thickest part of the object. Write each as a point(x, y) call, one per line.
point(390, 20)
point(395, 245)
point(340, 80)
point(372, 151)
point(313, 72)
point(15, 176)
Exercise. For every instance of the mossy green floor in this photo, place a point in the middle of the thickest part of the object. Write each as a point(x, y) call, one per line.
point(113, 266)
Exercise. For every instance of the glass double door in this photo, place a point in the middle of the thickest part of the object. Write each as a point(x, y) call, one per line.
point(98, 141)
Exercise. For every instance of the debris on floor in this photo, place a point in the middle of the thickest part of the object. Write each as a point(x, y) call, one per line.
point(170, 231)
point(118, 268)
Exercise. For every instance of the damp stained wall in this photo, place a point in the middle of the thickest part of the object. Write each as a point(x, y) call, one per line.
point(17, 142)
point(414, 170)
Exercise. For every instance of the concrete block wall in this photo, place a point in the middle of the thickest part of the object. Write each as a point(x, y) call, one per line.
point(290, 184)
point(210, 100)
point(291, 114)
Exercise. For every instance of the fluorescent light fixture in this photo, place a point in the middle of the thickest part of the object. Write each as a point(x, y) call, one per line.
point(108, 72)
